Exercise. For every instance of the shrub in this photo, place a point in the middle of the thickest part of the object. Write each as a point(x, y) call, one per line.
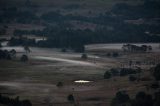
point(59, 84)
point(70, 98)
point(63, 50)
point(143, 99)
point(6, 101)
point(114, 72)
point(115, 54)
point(108, 54)
point(107, 75)
point(157, 99)
point(156, 72)
point(26, 103)
point(145, 78)
point(132, 78)
point(121, 98)
point(8, 57)
point(24, 58)
point(84, 56)
point(94, 99)
point(155, 85)
point(126, 71)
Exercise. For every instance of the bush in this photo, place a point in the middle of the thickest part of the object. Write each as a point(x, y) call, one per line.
point(155, 85)
point(63, 50)
point(84, 56)
point(70, 98)
point(145, 78)
point(143, 99)
point(132, 78)
point(108, 54)
point(59, 84)
point(8, 57)
point(24, 58)
point(114, 72)
point(156, 72)
point(26, 103)
point(6, 101)
point(107, 75)
point(121, 98)
point(115, 54)
point(127, 71)
point(157, 99)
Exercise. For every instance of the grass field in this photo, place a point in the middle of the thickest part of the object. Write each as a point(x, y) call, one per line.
point(36, 79)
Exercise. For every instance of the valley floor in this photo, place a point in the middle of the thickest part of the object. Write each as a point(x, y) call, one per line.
point(37, 79)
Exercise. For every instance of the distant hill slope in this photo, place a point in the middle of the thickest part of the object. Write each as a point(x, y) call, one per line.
point(60, 3)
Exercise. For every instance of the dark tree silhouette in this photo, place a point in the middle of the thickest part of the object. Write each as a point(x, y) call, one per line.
point(84, 56)
point(121, 99)
point(70, 98)
point(24, 58)
point(107, 75)
point(156, 72)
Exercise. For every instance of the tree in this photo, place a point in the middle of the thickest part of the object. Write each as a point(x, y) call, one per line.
point(155, 85)
point(157, 99)
point(27, 49)
point(28, 3)
point(127, 71)
point(26, 103)
point(24, 58)
point(108, 54)
point(70, 98)
point(114, 71)
point(13, 53)
point(59, 84)
point(143, 99)
point(132, 78)
point(84, 56)
point(121, 99)
point(115, 54)
point(107, 75)
point(156, 72)
point(63, 50)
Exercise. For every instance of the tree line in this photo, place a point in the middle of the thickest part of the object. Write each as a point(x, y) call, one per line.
point(14, 101)
point(63, 35)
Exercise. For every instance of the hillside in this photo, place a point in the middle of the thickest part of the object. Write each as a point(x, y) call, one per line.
point(76, 23)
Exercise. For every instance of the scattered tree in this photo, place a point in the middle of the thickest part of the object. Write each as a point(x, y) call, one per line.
point(24, 58)
point(63, 50)
point(71, 98)
point(84, 56)
point(59, 84)
point(155, 85)
point(108, 54)
point(14, 102)
point(107, 75)
point(156, 72)
point(121, 99)
point(114, 71)
point(132, 78)
point(115, 54)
